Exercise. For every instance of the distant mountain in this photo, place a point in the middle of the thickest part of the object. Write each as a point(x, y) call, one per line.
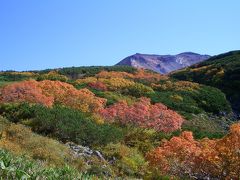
point(163, 63)
point(222, 71)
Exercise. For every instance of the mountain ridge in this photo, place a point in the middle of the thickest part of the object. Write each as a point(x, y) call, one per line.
point(163, 63)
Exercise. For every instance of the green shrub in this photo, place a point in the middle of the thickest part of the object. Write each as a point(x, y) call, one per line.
point(138, 90)
point(114, 97)
point(204, 125)
point(205, 99)
point(53, 76)
point(187, 104)
point(72, 125)
point(142, 139)
point(212, 100)
point(15, 112)
point(127, 161)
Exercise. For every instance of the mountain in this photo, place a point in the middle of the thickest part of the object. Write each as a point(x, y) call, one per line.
point(222, 71)
point(163, 63)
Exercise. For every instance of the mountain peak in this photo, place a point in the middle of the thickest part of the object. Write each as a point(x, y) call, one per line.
point(163, 63)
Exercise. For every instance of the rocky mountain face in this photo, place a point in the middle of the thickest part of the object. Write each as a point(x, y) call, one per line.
point(163, 63)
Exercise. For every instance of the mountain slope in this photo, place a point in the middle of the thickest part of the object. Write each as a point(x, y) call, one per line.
point(163, 63)
point(222, 71)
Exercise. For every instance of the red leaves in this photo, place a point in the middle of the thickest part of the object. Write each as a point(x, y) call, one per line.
point(49, 92)
point(144, 114)
point(98, 86)
point(202, 159)
point(26, 91)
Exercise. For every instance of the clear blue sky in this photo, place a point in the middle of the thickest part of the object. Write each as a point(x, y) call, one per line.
point(38, 34)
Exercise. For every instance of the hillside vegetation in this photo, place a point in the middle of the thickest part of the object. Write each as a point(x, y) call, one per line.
point(222, 71)
point(109, 122)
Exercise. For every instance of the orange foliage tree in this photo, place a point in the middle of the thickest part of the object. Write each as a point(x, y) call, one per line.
point(144, 114)
point(48, 92)
point(205, 159)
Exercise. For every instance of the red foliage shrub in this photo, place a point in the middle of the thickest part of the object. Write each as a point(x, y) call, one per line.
point(98, 86)
point(26, 91)
point(143, 114)
point(48, 92)
point(217, 159)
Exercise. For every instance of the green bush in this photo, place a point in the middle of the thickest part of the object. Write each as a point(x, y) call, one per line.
point(114, 97)
point(138, 90)
point(188, 103)
point(63, 123)
point(15, 112)
point(212, 100)
point(205, 99)
point(72, 125)
point(142, 139)
point(204, 125)
point(127, 161)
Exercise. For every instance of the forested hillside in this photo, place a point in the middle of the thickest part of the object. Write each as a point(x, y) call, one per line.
point(109, 122)
point(222, 71)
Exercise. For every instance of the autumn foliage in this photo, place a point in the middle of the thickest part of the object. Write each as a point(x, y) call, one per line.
point(140, 74)
point(143, 114)
point(98, 86)
point(202, 159)
point(49, 92)
point(176, 86)
point(25, 91)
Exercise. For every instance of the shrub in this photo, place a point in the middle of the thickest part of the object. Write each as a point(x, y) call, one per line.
point(26, 91)
point(72, 125)
point(128, 161)
point(16, 112)
point(142, 139)
point(212, 100)
point(114, 97)
point(143, 114)
point(138, 90)
point(196, 101)
point(53, 76)
point(49, 92)
point(98, 86)
point(183, 156)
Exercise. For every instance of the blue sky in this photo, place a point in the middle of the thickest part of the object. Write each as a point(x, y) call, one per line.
point(39, 34)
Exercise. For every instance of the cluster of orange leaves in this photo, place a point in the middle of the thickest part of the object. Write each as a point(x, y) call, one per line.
point(202, 159)
point(98, 86)
point(143, 114)
point(49, 92)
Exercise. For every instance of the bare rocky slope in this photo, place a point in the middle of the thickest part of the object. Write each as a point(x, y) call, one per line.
point(163, 63)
